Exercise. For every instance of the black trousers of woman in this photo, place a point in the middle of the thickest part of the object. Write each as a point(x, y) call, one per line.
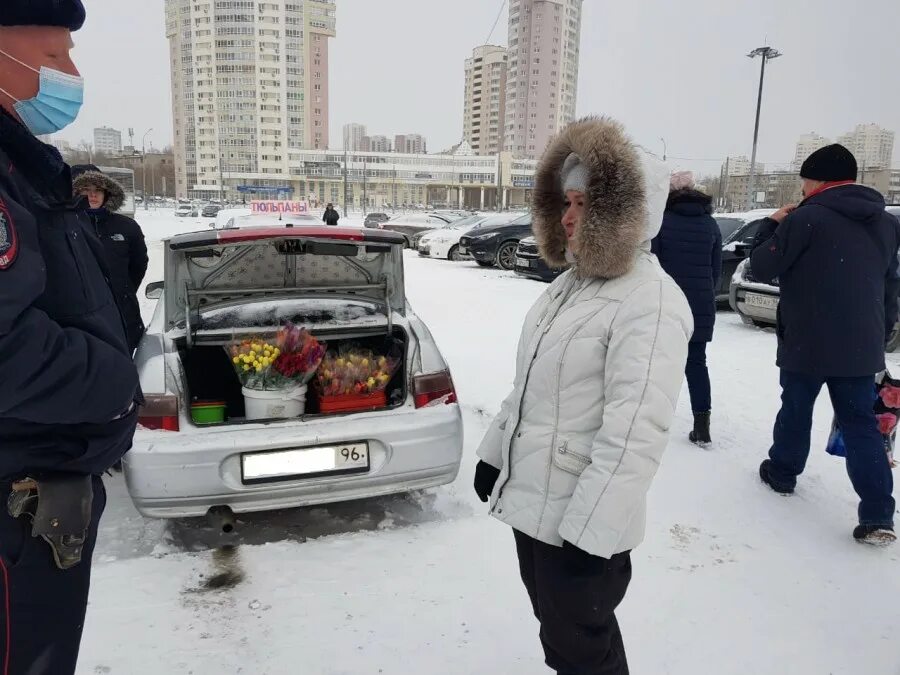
point(574, 596)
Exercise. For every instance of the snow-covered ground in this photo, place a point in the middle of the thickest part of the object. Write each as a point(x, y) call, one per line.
point(732, 578)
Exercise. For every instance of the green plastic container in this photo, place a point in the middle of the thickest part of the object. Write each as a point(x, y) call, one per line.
point(208, 412)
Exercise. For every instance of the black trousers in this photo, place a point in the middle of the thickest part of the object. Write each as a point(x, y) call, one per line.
point(574, 596)
point(42, 607)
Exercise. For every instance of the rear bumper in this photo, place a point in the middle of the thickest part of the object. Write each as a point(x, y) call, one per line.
point(536, 268)
point(177, 475)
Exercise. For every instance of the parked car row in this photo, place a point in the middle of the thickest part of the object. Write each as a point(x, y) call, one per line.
point(503, 240)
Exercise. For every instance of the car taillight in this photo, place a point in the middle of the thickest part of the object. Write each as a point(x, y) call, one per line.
point(434, 389)
point(160, 411)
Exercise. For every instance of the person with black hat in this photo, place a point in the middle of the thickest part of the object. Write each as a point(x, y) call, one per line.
point(68, 404)
point(122, 239)
point(835, 257)
point(330, 217)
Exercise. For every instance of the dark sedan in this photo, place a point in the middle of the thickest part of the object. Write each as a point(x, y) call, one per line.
point(530, 264)
point(737, 233)
point(497, 245)
point(210, 210)
point(373, 220)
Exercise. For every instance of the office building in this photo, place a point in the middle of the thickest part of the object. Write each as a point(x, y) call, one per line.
point(249, 81)
point(107, 141)
point(484, 115)
point(542, 72)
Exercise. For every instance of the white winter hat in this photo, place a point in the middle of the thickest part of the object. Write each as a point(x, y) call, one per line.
point(574, 174)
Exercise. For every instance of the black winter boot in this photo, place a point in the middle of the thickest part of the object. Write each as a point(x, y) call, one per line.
point(700, 434)
point(876, 536)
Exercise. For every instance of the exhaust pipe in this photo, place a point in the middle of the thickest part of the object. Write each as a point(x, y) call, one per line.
point(221, 518)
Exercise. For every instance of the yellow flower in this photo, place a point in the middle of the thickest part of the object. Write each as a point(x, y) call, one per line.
point(246, 367)
point(276, 353)
point(236, 360)
point(252, 354)
point(371, 382)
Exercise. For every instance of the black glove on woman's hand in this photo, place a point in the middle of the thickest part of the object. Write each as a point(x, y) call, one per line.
point(485, 477)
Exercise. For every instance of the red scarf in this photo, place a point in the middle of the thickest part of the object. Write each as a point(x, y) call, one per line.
point(827, 186)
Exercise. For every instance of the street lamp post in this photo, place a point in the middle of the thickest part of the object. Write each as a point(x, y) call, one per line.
point(144, 168)
point(665, 148)
point(767, 53)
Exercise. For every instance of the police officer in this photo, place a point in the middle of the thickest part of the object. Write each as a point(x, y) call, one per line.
point(69, 390)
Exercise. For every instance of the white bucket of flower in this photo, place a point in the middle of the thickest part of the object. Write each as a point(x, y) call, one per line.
point(275, 373)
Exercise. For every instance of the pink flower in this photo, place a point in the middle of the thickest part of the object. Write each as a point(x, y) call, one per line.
point(891, 396)
point(887, 422)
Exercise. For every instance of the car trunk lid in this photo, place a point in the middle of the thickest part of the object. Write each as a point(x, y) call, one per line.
point(215, 278)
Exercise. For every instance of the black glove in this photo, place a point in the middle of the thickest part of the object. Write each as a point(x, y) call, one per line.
point(485, 477)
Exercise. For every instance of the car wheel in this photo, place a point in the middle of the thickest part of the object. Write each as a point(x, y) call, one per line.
point(455, 255)
point(506, 256)
point(484, 263)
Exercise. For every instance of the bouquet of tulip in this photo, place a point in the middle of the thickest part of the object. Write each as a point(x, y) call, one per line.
point(288, 360)
point(887, 413)
point(355, 372)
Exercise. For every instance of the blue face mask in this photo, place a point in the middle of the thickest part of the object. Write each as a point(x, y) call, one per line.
point(57, 103)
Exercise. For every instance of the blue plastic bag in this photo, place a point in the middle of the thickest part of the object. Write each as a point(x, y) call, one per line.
point(836, 445)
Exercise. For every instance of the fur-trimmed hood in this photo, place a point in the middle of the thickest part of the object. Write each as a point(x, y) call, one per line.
point(626, 197)
point(115, 194)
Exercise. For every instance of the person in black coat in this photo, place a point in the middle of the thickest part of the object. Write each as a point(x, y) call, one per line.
point(330, 217)
point(689, 247)
point(835, 256)
point(123, 241)
point(70, 392)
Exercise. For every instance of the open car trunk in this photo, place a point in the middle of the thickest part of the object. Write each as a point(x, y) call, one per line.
point(209, 374)
point(343, 285)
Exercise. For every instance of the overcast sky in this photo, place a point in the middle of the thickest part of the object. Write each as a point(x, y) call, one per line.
point(676, 70)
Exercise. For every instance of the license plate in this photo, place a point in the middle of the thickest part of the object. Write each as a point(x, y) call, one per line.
point(523, 262)
point(761, 301)
point(348, 458)
point(463, 250)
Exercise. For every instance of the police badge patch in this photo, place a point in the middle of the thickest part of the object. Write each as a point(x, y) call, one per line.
point(9, 245)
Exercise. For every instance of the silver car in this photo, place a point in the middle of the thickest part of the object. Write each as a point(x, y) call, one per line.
point(346, 286)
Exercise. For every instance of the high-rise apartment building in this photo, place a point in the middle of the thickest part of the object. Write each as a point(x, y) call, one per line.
point(377, 144)
point(484, 117)
point(740, 166)
point(353, 136)
point(107, 141)
point(872, 145)
point(807, 144)
point(411, 144)
point(249, 81)
point(542, 77)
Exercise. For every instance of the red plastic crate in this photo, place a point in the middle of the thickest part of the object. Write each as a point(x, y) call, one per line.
point(351, 402)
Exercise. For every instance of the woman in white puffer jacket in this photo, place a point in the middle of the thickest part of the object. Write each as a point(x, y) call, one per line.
point(569, 459)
